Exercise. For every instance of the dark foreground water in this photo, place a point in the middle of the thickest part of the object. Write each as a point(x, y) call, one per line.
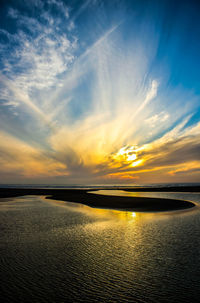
point(62, 252)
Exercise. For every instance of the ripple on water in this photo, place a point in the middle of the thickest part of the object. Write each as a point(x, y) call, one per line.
point(54, 252)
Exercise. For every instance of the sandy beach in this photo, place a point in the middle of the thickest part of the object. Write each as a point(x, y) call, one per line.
point(105, 201)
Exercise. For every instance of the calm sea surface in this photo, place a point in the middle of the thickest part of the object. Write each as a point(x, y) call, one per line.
point(63, 252)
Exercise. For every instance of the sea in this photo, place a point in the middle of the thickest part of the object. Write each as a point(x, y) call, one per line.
point(55, 251)
point(100, 186)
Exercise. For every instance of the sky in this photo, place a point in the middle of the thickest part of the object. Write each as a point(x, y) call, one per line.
point(99, 92)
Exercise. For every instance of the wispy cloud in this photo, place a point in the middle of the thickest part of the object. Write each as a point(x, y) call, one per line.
point(21, 159)
point(101, 115)
point(42, 53)
point(174, 153)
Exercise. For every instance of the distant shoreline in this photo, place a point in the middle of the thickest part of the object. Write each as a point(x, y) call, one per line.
point(140, 204)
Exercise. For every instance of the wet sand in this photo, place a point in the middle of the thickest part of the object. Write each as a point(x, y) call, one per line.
point(103, 201)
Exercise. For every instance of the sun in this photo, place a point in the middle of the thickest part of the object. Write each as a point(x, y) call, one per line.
point(129, 155)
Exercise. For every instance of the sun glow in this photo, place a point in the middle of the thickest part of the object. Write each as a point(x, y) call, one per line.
point(88, 106)
point(131, 157)
point(128, 154)
point(137, 163)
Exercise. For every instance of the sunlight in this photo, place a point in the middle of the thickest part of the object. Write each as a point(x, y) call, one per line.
point(94, 107)
point(131, 157)
point(137, 163)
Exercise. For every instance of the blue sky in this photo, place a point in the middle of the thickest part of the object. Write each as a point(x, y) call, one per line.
point(99, 91)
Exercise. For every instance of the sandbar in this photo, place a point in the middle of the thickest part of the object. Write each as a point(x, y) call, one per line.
point(141, 204)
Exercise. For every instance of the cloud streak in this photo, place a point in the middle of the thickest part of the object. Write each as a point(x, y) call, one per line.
point(102, 113)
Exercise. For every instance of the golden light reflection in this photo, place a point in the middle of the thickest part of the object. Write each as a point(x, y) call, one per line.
point(109, 217)
point(110, 213)
point(107, 214)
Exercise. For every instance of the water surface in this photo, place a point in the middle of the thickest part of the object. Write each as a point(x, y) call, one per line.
point(54, 251)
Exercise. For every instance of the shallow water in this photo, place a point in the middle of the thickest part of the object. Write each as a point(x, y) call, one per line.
point(54, 251)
